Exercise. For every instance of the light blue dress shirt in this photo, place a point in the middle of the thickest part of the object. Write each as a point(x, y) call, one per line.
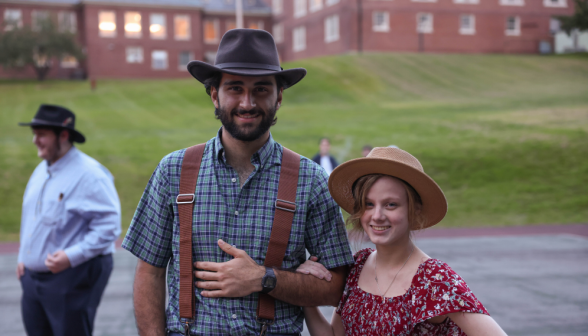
point(71, 205)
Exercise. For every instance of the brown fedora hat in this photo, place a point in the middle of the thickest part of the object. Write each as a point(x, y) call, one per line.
point(393, 162)
point(246, 52)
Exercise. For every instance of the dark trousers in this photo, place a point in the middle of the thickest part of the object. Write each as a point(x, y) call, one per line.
point(65, 303)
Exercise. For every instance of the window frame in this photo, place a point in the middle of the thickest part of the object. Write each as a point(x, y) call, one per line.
point(517, 29)
point(315, 5)
point(216, 28)
point(36, 15)
point(425, 30)
point(385, 26)
point(153, 59)
point(154, 35)
point(467, 30)
point(189, 28)
point(19, 21)
point(278, 32)
point(299, 39)
point(300, 8)
point(140, 60)
point(277, 7)
point(332, 26)
point(331, 2)
point(518, 3)
point(133, 34)
point(558, 4)
point(107, 33)
point(61, 15)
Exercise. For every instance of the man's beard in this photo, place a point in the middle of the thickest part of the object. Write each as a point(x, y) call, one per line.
point(53, 153)
point(248, 132)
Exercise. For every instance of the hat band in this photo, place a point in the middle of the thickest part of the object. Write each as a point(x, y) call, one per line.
point(249, 66)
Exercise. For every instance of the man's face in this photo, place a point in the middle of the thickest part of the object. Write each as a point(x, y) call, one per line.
point(324, 147)
point(246, 105)
point(47, 144)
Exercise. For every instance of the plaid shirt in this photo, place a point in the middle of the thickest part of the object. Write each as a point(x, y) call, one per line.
point(241, 216)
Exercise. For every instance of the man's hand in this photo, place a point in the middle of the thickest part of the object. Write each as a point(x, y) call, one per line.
point(236, 278)
point(19, 270)
point(57, 262)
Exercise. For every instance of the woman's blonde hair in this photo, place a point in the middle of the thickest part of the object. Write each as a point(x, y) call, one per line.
point(360, 189)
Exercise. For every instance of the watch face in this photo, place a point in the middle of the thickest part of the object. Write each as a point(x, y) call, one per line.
point(270, 282)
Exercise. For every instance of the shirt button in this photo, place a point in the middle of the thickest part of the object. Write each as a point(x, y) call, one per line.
point(236, 213)
point(233, 180)
point(234, 316)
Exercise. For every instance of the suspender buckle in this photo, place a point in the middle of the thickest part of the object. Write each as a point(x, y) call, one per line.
point(285, 205)
point(187, 323)
point(185, 198)
point(264, 324)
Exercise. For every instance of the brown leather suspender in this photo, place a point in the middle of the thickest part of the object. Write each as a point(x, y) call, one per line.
point(276, 250)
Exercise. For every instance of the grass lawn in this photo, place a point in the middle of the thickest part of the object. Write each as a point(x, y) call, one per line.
point(506, 137)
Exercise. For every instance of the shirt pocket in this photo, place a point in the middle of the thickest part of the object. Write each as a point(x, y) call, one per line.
point(53, 212)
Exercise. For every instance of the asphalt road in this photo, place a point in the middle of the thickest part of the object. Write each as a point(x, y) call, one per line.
point(531, 284)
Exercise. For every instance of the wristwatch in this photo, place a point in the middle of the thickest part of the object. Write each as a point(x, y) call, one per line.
point(269, 281)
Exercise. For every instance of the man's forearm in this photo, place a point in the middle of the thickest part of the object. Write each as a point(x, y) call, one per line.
point(309, 291)
point(149, 299)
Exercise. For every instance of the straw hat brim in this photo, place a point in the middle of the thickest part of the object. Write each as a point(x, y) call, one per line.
point(344, 176)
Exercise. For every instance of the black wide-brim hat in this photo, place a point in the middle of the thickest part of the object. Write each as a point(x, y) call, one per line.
point(246, 52)
point(56, 116)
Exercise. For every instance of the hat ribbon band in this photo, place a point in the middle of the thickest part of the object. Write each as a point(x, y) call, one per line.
point(249, 66)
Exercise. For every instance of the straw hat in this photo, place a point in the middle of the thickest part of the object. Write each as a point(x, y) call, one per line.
point(394, 162)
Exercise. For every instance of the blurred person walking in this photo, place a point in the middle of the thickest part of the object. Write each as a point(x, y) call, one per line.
point(324, 158)
point(365, 151)
point(70, 220)
point(233, 214)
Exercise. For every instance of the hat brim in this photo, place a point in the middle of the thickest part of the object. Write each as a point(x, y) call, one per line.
point(203, 71)
point(77, 136)
point(344, 176)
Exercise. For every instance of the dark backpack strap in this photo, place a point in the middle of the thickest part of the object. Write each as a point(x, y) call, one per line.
point(185, 201)
point(283, 217)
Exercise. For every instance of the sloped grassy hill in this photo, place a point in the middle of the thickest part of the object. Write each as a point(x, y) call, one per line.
point(506, 137)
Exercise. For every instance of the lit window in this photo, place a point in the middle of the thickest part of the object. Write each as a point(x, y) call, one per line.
point(278, 33)
point(299, 8)
point(255, 24)
point(424, 23)
point(555, 3)
point(331, 28)
point(134, 55)
point(68, 62)
point(277, 7)
point(211, 33)
point(157, 26)
point(159, 59)
point(12, 18)
point(513, 26)
point(332, 2)
point(512, 2)
point(40, 18)
point(107, 24)
point(381, 21)
point(299, 39)
point(133, 24)
point(467, 2)
point(183, 59)
point(467, 24)
point(182, 27)
point(316, 5)
point(67, 22)
point(231, 24)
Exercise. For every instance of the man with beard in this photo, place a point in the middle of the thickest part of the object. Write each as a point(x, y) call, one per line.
point(235, 201)
point(70, 220)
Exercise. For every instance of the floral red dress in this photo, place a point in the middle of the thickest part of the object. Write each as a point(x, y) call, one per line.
point(435, 290)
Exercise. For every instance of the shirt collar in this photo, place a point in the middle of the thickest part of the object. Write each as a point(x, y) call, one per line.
point(264, 155)
point(63, 161)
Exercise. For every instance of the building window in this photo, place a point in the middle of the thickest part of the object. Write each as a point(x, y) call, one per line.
point(513, 26)
point(512, 2)
point(12, 19)
point(424, 23)
point(67, 22)
point(316, 5)
point(182, 27)
point(230, 24)
point(278, 32)
point(183, 59)
point(69, 62)
point(381, 21)
point(555, 3)
point(255, 24)
point(157, 27)
point(424, 0)
point(331, 28)
point(133, 24)
point(467, 2)
point(107, 23)
point(554, 25)
point(332, 2)
point(277, 7)
point(467, 24)
point(299, 8)
point(39, 18)
point(134, 55)
point(159, 60)
point(211, 33)
point(299, 39)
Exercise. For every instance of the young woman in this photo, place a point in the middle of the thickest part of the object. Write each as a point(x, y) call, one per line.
point(396, 289)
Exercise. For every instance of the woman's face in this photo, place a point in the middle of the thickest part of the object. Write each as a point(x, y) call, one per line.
point(385, 219)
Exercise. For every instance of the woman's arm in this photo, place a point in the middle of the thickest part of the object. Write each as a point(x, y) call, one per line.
point(474, 324)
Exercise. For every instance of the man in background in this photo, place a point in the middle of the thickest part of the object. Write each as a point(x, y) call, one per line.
point(323, 158)
point(70, 220)
point(366, 150)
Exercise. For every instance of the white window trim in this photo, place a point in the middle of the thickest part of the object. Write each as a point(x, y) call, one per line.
point(18, 23)
point(278, 32)
point(382, 28)
point(186, 16)
point(517, 30)
point(426, 30)
point(107, 33)
point(558, 4)
point(512, 2)
point(141, 59)
point(164, 26)
point(299, 8)
point(333, 20)
point(216, 24)
point(182, 67)
point(166, 60)
point(466, 2)
point(299, 39)
point(315, 6)
point(60, 18)
point(277, 7)
point(468, 31)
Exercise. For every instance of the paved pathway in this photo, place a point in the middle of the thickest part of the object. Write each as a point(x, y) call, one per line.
point(531, 284)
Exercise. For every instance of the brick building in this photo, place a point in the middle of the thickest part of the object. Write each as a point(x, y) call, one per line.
point(157, 38)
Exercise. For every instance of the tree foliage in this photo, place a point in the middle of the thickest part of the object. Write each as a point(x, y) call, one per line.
point(38, 48)
point(577, 21)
